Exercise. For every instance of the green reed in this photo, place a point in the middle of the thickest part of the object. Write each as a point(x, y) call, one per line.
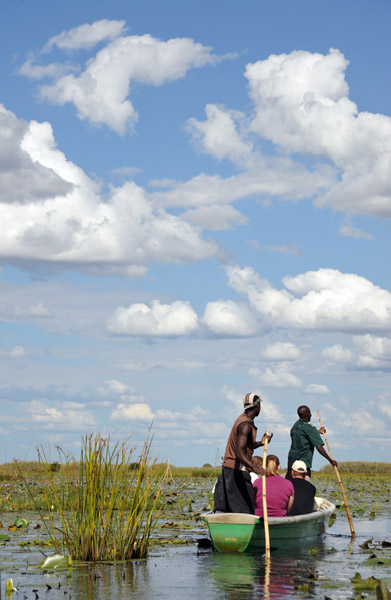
point(108, 502)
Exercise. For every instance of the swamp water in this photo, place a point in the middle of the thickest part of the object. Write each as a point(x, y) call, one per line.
point(178, 567)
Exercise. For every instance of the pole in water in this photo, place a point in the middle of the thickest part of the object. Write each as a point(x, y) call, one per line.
point(340, 484)
point(264, 503)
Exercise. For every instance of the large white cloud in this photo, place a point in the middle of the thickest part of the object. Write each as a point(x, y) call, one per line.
point(174, 319)
point(65, 221)
point(325, 299)
point(301, 102)
point(100, 92)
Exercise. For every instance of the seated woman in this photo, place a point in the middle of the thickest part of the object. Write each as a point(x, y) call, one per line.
point(279, 491)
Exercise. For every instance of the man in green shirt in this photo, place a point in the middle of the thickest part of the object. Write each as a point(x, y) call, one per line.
point(304, 439)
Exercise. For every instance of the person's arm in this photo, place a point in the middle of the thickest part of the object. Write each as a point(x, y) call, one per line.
point(290, 504)
point(263, 440)
point(244, 431)
point(323, 452)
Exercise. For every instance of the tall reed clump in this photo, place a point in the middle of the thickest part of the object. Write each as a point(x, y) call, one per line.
point(108, 502)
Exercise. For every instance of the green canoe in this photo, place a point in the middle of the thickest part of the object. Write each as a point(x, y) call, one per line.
point(239, 532)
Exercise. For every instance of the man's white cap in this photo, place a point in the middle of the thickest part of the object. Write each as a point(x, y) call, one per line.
point(299, 466)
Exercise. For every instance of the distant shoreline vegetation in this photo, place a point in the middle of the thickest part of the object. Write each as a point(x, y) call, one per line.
point(360, 467)
point(10, 471)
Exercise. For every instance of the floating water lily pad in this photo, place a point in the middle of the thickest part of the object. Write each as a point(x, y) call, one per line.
point(21, 522)
point(378, 560)
point(4, 537)
point(56, 561)
point(360, 584)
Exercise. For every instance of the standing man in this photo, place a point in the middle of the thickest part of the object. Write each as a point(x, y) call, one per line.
point(304, 439)
point(303, 502)
point(237, 463)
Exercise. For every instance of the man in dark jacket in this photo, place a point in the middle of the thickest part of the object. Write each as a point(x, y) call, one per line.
point(303, 502)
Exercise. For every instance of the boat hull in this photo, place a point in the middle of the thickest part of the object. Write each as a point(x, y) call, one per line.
point(236, 532)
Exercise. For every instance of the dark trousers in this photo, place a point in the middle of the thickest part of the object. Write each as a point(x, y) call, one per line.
point(239, 491)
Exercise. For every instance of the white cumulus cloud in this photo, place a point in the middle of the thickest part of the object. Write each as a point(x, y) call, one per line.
point(302, 104)
point(325, 299)
point(174, 319)
point(100, 92)
point(52, 212)
point(132, 412)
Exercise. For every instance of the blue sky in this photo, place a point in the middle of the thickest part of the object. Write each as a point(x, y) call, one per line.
point(195, 203)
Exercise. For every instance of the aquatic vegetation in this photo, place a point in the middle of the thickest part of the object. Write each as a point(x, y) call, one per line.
point(360, 584)
point(56, 561)
point(375, 559)
point(9, 587)
point(368, 493)
point(108, 503)
point(323, 573)
point(21, 522)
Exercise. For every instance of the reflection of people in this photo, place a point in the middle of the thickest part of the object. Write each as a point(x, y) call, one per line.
point(237, 463)
point(304, 439)
point(279, 491)
point(304, 490)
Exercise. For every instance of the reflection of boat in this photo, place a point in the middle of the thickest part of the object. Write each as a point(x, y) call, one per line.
point(239, 532)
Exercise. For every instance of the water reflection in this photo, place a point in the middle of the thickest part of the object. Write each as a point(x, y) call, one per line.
point(234, 573)
point(250, 576)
